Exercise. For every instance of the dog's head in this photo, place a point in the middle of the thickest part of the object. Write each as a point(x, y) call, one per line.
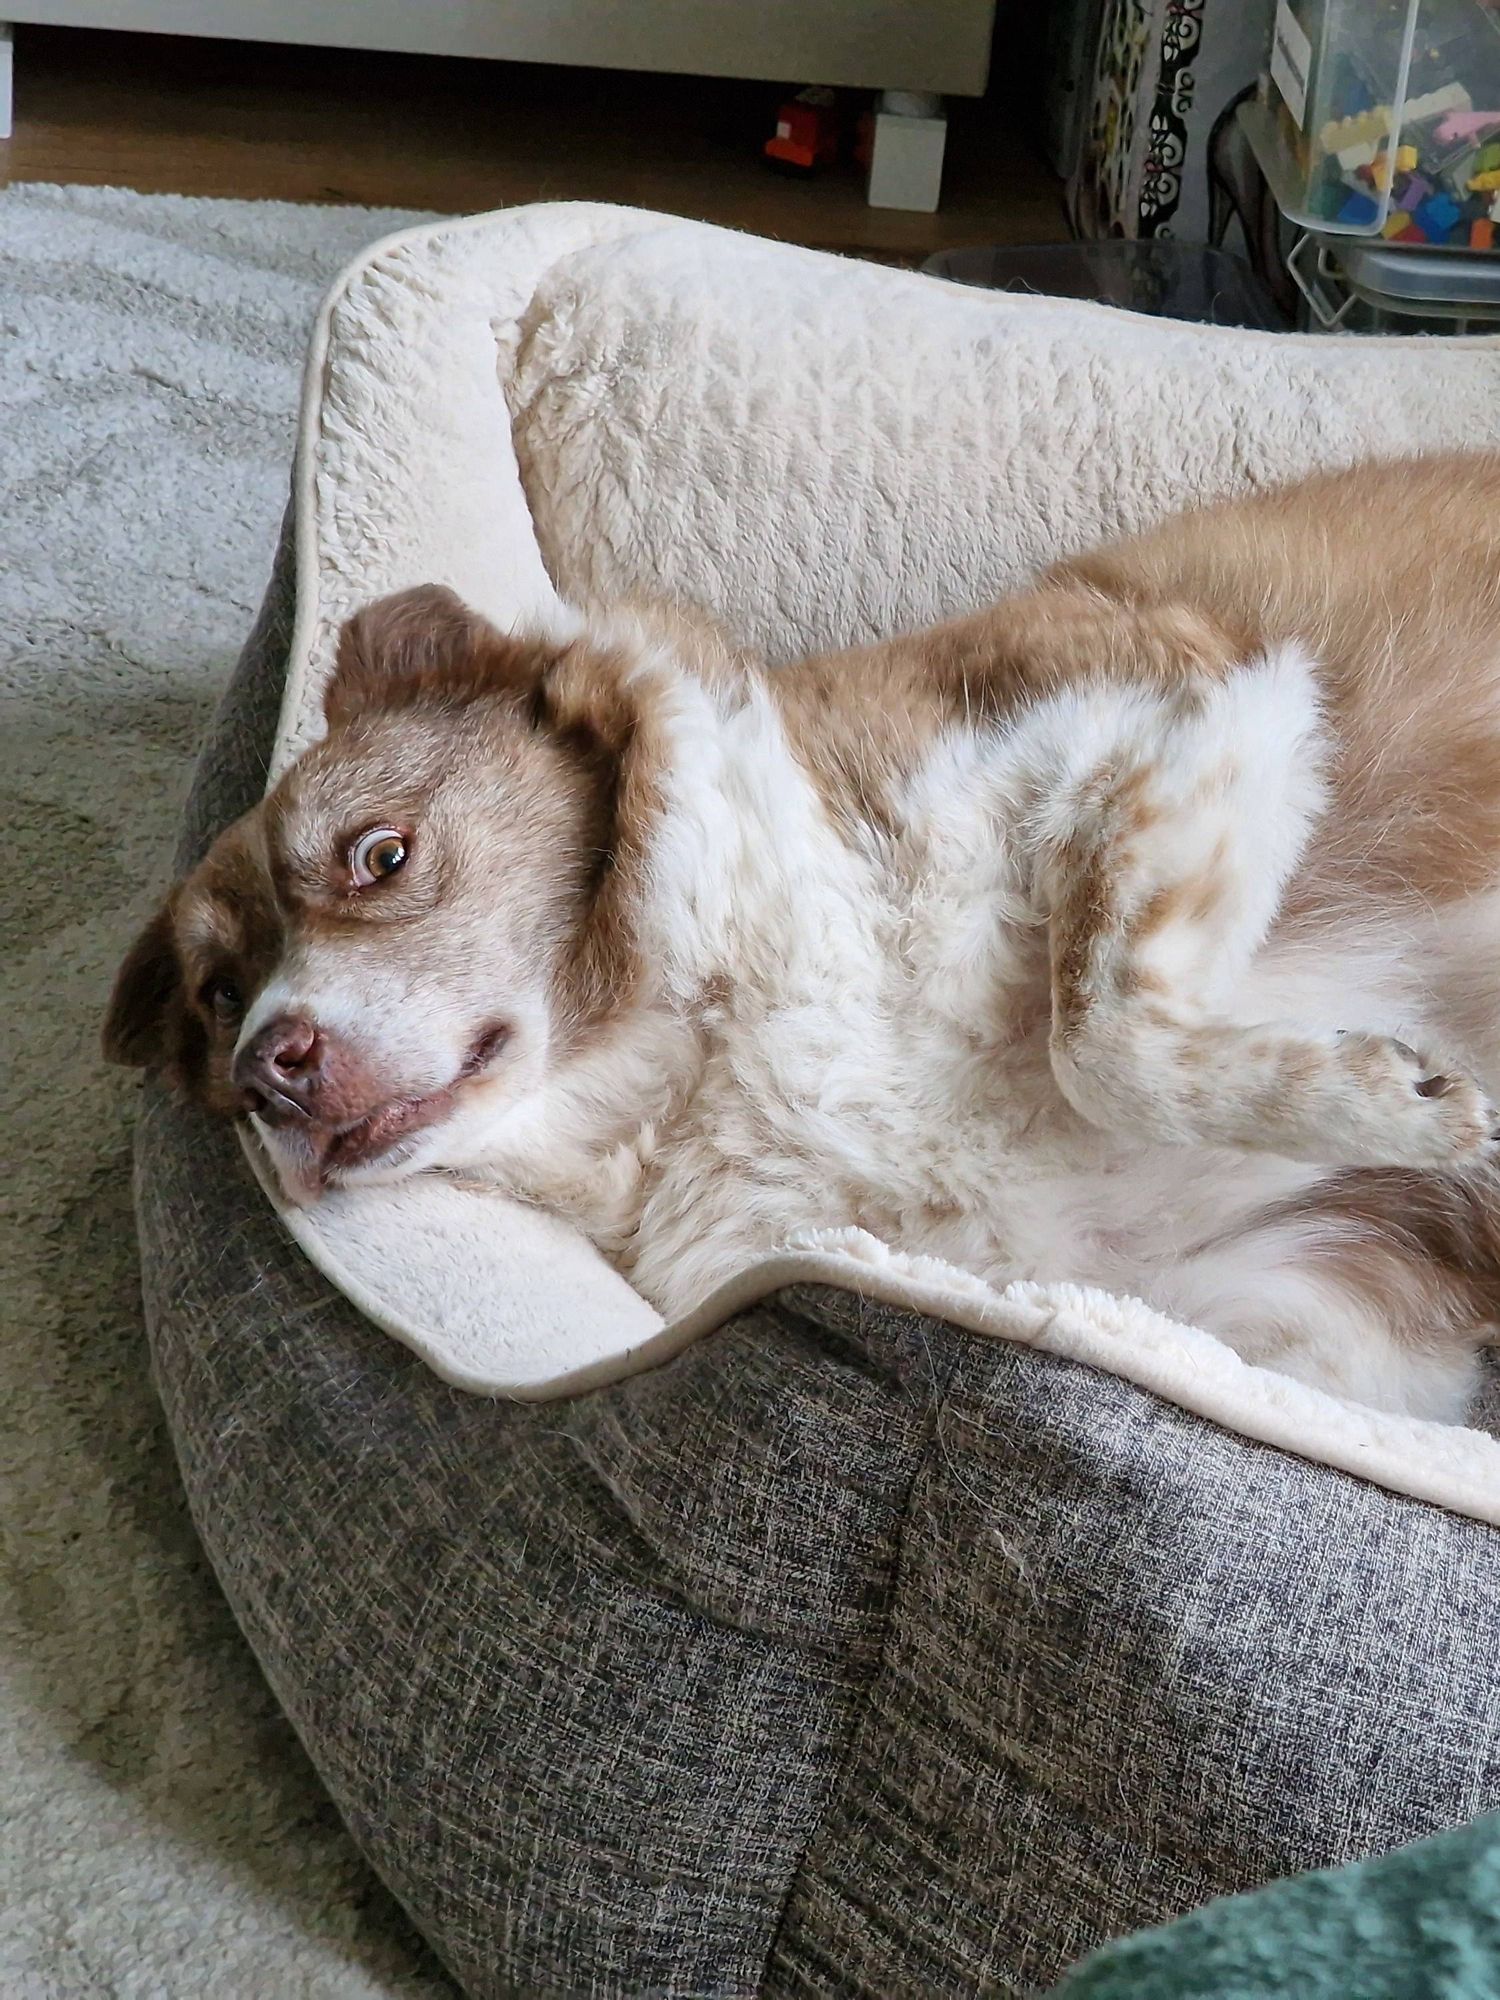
point(385, 958)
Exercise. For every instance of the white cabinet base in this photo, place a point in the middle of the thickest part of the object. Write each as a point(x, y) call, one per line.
point(937, 46)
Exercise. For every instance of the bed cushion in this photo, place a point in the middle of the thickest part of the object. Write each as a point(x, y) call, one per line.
point(849, 1652)
point(590, 402)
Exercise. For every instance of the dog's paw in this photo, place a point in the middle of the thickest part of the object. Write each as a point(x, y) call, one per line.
point(1385, 1104)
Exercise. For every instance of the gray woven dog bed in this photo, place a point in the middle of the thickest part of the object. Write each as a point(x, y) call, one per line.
point(850, 1652)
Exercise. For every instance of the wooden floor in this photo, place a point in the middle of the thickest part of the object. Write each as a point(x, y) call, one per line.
point(158, 113)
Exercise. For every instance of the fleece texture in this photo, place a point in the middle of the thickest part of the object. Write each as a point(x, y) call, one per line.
point(161, 1830)
point(589, 402)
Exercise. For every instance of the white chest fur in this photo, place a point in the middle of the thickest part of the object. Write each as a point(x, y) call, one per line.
point(874, 1048)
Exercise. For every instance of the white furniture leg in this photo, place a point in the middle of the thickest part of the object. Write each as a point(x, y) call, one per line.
point(906, 161)
point(7, 79)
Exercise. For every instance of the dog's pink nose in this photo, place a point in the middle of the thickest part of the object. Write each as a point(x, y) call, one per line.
point(280, 1069)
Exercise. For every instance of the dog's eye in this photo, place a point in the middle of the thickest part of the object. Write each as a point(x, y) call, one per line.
point(377, 854)
point(224, 1000)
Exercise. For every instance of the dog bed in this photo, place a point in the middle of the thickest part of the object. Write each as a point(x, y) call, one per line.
point(901, 1635)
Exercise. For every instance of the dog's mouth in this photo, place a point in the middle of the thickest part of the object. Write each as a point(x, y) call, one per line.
point(312, 1157)
point(378, 1132)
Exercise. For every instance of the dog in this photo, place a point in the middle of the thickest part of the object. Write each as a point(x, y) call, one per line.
point(1140, 930)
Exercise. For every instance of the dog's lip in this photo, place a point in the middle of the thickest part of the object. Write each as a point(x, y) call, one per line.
point(336, 1149)
point(365, 1139)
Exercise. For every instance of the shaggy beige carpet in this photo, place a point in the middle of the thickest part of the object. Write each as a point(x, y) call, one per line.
point(161, 1832)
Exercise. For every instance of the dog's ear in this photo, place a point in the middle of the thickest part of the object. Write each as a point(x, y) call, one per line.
point(390, 646)
point(595, 698)
point(142, 1025)
point(614, 714)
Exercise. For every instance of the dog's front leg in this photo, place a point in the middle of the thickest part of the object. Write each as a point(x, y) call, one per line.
point(1167, 831)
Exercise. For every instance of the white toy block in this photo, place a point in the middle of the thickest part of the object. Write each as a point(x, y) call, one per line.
point(906, 162)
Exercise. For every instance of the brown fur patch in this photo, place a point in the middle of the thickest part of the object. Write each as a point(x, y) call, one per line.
point(615, 722)
point(425, 647)
point(1194, 900)
point(1410, 676)
point(1085, 909)
point(143, 1025)
point(860, 720)
point(1422, 1249)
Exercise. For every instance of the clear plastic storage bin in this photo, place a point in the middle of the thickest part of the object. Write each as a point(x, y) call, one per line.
point(1381, 118)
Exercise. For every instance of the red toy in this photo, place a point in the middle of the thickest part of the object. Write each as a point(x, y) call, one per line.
point(807, 132)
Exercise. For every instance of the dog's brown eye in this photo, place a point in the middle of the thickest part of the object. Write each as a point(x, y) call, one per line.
point(224, 1000)
point(377, 854)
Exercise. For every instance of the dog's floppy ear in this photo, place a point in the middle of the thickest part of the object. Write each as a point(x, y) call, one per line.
point(141, 1028)
point(615, 714)
point(390, 646)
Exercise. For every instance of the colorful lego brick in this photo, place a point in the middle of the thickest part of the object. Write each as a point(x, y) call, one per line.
point(1359, 211)
point(1449, 100)
point(1458, 166)
point(1437, 215)
point(1436, 175)
point(1350, 92)
point(1466, 126)
point(1358, 130)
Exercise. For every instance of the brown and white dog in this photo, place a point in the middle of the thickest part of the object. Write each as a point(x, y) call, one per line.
point(1142, 931)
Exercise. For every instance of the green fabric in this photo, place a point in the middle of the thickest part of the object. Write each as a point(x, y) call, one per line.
point(1422, 1923)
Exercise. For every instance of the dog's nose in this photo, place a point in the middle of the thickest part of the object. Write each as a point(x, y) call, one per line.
point(280, 1069)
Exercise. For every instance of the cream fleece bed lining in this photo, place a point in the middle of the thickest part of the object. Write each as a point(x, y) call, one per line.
point(407, 469)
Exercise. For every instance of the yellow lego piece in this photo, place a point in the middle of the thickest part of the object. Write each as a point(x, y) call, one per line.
point(1394, 224)
point(1380, 171)
point(1483, 183)
point(1406, 159)
point(1357, 130)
